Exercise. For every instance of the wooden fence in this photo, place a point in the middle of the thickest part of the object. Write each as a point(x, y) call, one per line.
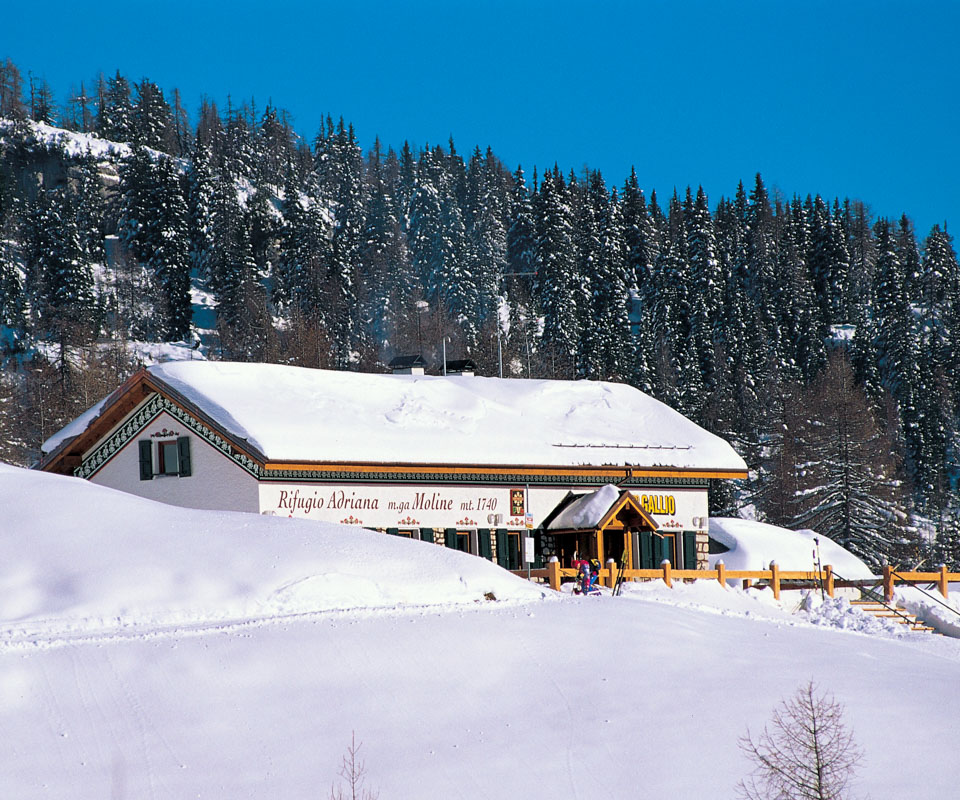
point(774, 577)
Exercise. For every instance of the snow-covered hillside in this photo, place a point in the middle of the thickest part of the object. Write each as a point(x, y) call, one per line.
point(753, 545)
point(155, 652)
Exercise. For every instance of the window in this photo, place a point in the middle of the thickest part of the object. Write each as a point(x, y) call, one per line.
point(458, 540)
point(173, 458)
point(169, 460)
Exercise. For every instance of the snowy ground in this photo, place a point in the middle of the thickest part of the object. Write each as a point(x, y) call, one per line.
point(153, 652)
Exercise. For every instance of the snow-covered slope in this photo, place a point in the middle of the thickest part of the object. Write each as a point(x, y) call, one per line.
point(83, 558)
point(128, 668)
point(753, 545)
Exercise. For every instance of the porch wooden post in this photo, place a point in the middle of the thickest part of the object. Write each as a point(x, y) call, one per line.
point(600, 546)
point(887, 583)
point(612, 572)
point(828, 569)
point(666, 573)
point(942, 581)
point(775, 579)
point(553, 575)
point(722, 574)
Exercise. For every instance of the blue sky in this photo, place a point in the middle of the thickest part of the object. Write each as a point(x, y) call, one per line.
point(848, 99)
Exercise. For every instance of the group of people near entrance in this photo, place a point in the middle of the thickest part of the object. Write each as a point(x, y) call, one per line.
point(588, 575)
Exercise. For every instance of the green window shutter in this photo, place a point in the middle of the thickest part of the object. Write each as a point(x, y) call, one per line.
point(483, 543)
point(426, 535)
point(665, 551)
point(646, 550)
point(393, 531)
point(146, 460)
point(503, 555)
point(689, 549)
point(183, 449)
point(450, 537)
point(514, 549)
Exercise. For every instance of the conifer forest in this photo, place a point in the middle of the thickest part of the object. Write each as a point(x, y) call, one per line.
point(821, 341)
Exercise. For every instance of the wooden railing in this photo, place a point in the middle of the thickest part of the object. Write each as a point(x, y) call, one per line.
point(941, 578)
point(774, 577)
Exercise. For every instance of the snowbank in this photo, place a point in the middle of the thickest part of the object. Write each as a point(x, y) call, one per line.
point(929, 607)
point(753, 545)
point(94, 558)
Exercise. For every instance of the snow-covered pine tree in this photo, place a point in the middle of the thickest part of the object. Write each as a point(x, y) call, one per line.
point(452, 283)
point(612, 345)
point(407, 184)
point(42, 105)
point(932, 432)
point(274, 146)
point(828, 263)
point(521, 241)
point(152, 119)
point(169, 258)
point(115, 111)
point(558, 283)
point(803, 351)
point(341, 179)
point(423, 228)
point(11, 287)
point(862, 248)
point(639, 236)
point(487, 213)
point(846, 488)
point(386, 263)
point(200, 188)
point(909, 254)
point(590, 203)
point(239, 159)
point(91, 209)
point(706, 286)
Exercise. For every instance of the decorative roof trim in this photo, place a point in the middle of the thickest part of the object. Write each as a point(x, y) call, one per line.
point(149, 411)
point(428, 474)
point(623, 473)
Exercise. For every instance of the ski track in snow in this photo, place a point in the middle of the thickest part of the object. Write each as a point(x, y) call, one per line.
point(51, 637)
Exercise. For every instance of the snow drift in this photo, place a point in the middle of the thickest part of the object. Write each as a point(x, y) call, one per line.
point(753, 545)
point(105, 559)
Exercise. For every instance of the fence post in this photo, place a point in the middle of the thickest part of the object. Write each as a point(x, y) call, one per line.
point(722, 574)
point(553, 575)
point(612, 576)
point(887, 583)
point(666, 572)
point(828, 569)
point(775, 579)
point(944, 590)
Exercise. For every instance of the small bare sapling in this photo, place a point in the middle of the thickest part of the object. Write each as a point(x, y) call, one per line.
point(805, 753)
point(353, 776)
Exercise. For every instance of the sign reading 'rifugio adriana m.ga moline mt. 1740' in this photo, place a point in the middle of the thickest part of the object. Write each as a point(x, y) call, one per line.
point(451, 506)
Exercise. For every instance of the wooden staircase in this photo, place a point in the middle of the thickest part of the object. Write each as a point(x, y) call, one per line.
point(896, 613)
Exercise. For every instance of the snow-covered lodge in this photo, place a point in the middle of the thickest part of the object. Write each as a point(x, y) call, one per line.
point(472, 463)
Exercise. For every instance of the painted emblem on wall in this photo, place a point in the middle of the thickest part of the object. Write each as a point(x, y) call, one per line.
point(516, 502)
point(164, 434)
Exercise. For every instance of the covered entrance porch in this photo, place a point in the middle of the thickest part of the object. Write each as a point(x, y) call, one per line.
point(606, 525)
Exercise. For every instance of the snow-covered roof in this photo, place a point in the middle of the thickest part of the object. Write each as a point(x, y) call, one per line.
point(753, 545)
point(587, 510)
point(297, 414)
